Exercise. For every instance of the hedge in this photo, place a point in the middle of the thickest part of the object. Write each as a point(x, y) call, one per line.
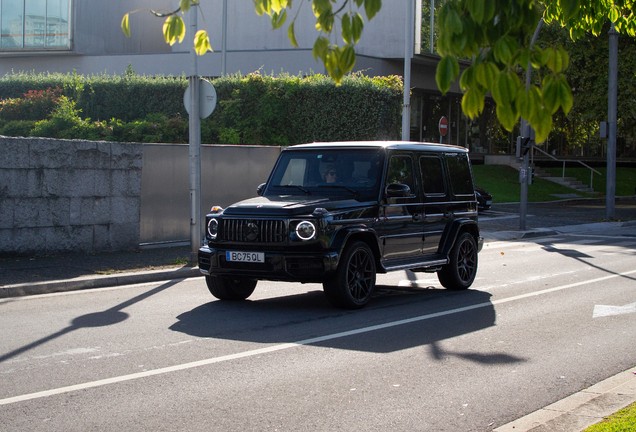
point(252, 109)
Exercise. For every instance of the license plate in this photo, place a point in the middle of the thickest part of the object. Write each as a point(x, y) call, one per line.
point(488, 202)
point(245, 256)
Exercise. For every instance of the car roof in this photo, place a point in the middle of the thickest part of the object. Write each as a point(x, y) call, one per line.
point(400, 145)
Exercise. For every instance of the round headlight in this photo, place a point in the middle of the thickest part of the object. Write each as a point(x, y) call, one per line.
point(306, 230)
point(213, 228)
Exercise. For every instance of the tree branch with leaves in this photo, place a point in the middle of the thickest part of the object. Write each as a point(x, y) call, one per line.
point(174, 28)
point(496, 34)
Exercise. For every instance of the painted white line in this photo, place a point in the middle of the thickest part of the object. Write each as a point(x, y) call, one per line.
point(281, 347)
point(603, 311)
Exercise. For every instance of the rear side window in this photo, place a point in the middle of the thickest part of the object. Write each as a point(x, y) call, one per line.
point(432, 176)
point(459, 173)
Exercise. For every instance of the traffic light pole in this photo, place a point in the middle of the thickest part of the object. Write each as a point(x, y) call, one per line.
point(525, 133)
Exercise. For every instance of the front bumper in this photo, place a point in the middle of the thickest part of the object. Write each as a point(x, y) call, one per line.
point(281, 266)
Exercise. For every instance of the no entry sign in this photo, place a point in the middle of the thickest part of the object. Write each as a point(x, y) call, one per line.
point(443, 126)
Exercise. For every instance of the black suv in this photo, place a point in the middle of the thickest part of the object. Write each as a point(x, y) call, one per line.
point(338, 213)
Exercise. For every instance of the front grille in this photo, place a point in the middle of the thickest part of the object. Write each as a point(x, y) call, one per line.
point(252, 230)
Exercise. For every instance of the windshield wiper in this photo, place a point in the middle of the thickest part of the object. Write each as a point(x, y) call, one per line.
point(353, 191)
point(295, 186)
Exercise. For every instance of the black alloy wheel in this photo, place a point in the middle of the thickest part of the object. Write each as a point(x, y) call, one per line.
point(354, 282)
point(460, 272)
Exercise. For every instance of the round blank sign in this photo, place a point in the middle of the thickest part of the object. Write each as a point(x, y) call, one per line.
point(207, 98)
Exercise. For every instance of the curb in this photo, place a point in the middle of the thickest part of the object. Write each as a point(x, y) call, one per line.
point(582, 409)
point(558, 230)
point(90, 282)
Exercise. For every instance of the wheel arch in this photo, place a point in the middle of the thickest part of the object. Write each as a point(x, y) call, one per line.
point(458, 227)
point(363, 234)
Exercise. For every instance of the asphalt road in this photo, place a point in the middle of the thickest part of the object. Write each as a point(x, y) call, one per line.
point(545, 318)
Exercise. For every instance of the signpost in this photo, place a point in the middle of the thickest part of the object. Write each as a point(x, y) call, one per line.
point(207, 98)
point(443, 128)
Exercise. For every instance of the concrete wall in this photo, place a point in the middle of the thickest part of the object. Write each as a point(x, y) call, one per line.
point(68, 196)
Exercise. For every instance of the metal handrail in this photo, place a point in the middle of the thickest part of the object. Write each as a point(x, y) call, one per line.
point(592, 170)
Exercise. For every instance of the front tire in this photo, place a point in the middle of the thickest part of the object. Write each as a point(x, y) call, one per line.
point(227, 288)
point(354, 282)
point(460, 272)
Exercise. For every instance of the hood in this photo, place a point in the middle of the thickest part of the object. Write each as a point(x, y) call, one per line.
point(288, 206)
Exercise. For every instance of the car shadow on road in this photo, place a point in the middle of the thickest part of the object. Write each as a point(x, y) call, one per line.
point(397, 319)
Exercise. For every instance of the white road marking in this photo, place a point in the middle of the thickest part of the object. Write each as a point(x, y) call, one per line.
point(603, 311)
point(281, 347)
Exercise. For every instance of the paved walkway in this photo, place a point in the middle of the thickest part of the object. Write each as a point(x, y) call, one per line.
point(20, 276)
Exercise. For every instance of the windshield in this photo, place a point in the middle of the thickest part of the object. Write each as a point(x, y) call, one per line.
point(332, 173)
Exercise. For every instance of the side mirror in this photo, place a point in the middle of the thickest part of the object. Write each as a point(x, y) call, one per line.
point(398, 190)
point(260, 189)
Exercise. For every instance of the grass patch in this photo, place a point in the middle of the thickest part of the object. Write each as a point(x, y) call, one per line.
point(624, 420)
point(503, 184)
point(625, 178)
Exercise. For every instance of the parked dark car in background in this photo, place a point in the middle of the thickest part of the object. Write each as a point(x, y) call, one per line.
point(338, 213)
point(484, 199)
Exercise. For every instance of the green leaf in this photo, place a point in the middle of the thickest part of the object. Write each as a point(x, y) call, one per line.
point(184, 5)
point(542, 124)
point(467, 80)
point(357, 24)
point(447, 71)
point(202, 42)
point(332, 65)
point(486, 74)
point(325, 21)
point(347, 59)
point(473, 103)
point(278, 19)
point(453, 22)
point(550, 95)
point(125, 25)
point(173, 29)
point(261, 7)
point(507, 116)
point(320, 49)
point(504, 90)
point(524, 103)
point(276, 6)
point(489, 9)
point(565, 58)
point(476, 10)
point(614, 14)
point(292, 35)
point(372, 7)
point(347, 32)
point(565, 94)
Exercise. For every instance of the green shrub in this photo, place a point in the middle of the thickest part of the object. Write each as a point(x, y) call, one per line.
point(17, 128)
point(252, 109)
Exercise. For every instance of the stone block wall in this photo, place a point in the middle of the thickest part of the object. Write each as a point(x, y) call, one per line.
point(61, 196)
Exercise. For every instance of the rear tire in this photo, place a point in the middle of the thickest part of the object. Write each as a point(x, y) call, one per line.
point(354, 282)
point(460, 272)
point(227, 288)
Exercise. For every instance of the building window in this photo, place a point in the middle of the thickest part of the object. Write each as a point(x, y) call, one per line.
point(34, 24)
